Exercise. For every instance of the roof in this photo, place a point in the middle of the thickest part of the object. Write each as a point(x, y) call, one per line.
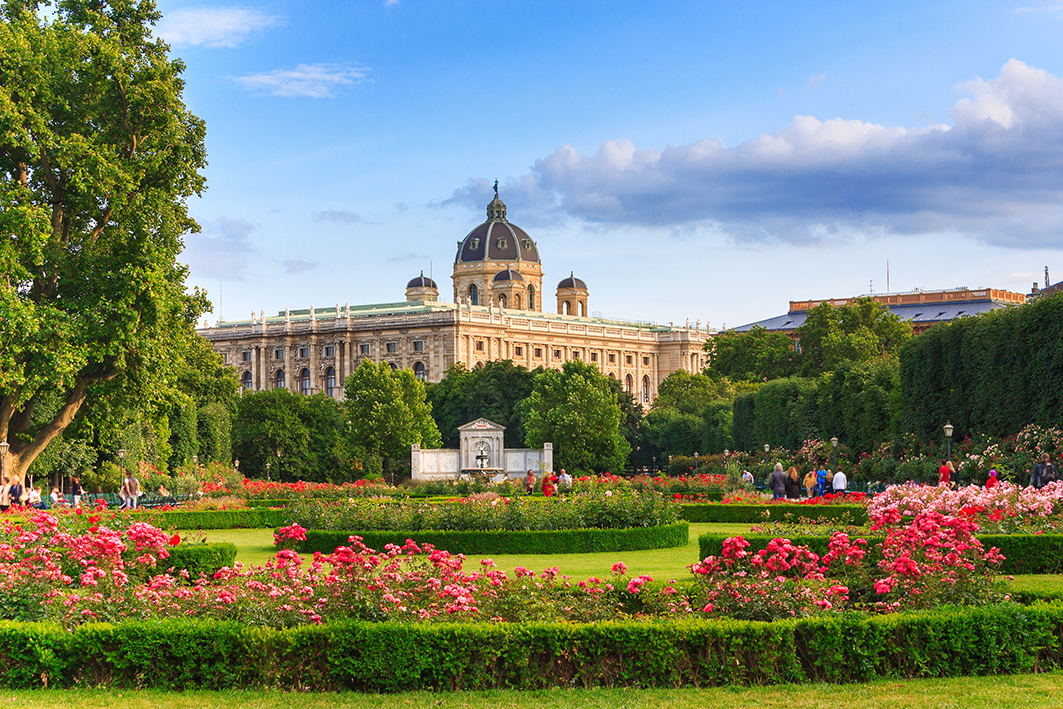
point(916, 313)
point(572, 282)
point(422, 282)
point(482, 424)
point(508, 275)
point(497, 240)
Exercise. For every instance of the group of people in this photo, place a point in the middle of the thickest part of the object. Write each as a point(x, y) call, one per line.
point(14, 493)
point(789, 483)
point(551, 483)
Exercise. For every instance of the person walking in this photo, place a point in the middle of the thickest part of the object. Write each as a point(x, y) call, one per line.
point(793, 484)
point(1044, 472)
point(131, 488)
point(777, 482)
point(810, 483)
point(840, 482)
point(945, 473)
point(992, 482)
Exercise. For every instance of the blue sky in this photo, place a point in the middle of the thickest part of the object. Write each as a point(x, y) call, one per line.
point(697, 160)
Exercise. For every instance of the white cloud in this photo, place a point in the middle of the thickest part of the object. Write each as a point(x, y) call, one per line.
point(214, 26)
point(305, 80)
point(337, 216)
point(221, 249)
point(996, 174)
point(815, 80)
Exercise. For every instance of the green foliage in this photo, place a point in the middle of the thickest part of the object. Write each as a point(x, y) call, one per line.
point(106, 478)
point(215, 519)
point(687, 393)
point(743, 422)
point(701, 513)
point(493, 392)
point(787, 412)
point(197, 559)
point(496, 541)
point(673, 433)
point(214, 426)
point(860, 402)
point(387, 411)
point(184, 438)
point(98, 158)
point(717, 421)
point(576, 410)
point(861, 332)
point(989, 375)
point(756, 355)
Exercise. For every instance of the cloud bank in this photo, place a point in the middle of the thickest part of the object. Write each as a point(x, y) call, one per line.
point(995, 174)
point(221, 249)
point(304, 81)
point(214, 27)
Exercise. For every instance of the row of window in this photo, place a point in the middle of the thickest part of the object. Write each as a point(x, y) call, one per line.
point(303, 379)
point(474, 299)
point(330, 351)
point(537, 353)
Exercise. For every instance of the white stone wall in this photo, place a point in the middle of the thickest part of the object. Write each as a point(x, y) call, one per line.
point(444, 463)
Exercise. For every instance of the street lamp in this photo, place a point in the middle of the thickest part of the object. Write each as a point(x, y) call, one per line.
point(4, 445)
point(236, 465)
point(767, 463)
point(834, 454)
point(121, 460)
point(948, 440)
point(195, 465)
point(280, 457)
point(267, 471)
point(695, 462)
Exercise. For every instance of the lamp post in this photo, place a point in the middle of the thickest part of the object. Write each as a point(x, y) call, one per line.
point(280, 459)
point(695, 462)
point(767, 463)
point(195, 466)
point(121, 460)
point(834, 454)
point(236, 465)
point(4, 445)
point(948, 440)
point(267, 471)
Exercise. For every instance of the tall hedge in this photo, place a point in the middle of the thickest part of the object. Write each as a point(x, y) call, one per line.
point(993, 374)
point(742, 420)
point(787, 412)
point(860, 403)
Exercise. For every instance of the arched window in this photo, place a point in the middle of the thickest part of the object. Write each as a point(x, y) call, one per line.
point(502, 301)
point(629, 383)
point(245, 381)
point(567, 308)
point(516, 301)
point(645, 388)
point(304, 381)
point(474, 294)
point(279, 379)
point(419, 371)
point(531, 297)
point(583, 308)
point(393, 366)
point(330, 381)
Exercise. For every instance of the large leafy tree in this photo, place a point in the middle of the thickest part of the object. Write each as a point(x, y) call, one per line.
point(98, 155)
point(493, 392)
point(860, 332)
point(756, 355)
point(387, 411)
point(577, 411)
point(687, 393)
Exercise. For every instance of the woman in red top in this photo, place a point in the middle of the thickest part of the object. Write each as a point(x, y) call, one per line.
point(992, 481)
point(944, 472)
point(548, 485)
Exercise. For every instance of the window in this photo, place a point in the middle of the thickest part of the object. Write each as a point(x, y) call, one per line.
point(557, 354)
point(645, 388)
point(612, 358)
point(516, 301)
point(518, 351)
point(278, 353)
point(330, 381)
point(393, 366)
point(594, 356)
point(225, 357)
point(245, 356)
point(629, 383)
point(645, 361)
point(627, 359)
point(418, 346)
point(304, 381)
point(527, 244)
point(479, 345)
point(330, 350)
point(419, 371)
point(474, 294)
point(363, 349)
point(575, 354)
point(279, 379)
point(304, 352)
point(392, 347)
point(245, 381)
point(538, 353)
point(475, 244)
point(531, 297)
point(501, 242)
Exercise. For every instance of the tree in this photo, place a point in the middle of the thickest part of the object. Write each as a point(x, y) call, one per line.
point(98, 156)
point(755, 355)
point(493, 392)
point(267, 422)
point(688, 393)
point(576, 410)
point(671, 432)
point(860, 332)
point(387, 411)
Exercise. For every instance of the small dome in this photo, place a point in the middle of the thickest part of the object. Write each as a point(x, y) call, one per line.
point(508, 275)
point(572, 282)
point(422, 282)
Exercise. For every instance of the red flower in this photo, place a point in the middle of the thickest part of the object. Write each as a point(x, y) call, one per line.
point(175, 540)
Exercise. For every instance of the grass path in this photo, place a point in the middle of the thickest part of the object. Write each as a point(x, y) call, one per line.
point(1001, 692)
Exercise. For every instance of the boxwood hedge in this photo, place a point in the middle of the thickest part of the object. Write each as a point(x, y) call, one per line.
point(753, 514)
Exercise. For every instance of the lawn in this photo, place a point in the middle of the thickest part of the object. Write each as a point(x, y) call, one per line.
point(1000, 692)
point(255, 546)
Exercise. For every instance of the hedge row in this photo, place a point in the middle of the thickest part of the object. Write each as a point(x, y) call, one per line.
point(392, 657)
point(1023, 553)
point(216, 519)
point(558, 541)
point(775, 512)
point(200, 558)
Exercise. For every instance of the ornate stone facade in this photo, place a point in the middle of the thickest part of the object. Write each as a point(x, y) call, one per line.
point(497, 315)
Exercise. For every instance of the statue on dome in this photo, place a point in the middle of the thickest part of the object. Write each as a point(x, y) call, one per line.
point(496, 192)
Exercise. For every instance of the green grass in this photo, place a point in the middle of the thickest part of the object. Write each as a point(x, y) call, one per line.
point(255, 546)
point(1000, 692)
point(1039, 583)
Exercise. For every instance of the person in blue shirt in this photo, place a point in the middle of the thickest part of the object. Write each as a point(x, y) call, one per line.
point(821, 481)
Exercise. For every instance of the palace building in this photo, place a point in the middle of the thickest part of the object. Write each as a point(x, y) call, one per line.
point(497, 313)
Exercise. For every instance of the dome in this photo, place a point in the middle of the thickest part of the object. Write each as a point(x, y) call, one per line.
point(497, 240)
point(422, 282)
point(508, 275)
point(572, 282)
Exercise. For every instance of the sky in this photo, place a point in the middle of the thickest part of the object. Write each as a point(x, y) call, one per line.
point(701, 160)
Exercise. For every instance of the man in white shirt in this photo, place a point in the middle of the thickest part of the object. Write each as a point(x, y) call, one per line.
point(840, 482)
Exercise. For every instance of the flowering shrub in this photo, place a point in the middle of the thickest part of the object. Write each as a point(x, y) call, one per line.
point(263, 490)
point(1002, 509)
point(603, 510)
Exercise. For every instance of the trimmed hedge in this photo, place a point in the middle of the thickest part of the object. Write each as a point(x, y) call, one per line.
point(495, 541)
point(392, 657)
point(776, 512)
point(1023, 553)
point(216, 519)
point(200, 558)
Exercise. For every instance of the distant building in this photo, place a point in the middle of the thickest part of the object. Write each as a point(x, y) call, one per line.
point(497, 314)
point(921, 308)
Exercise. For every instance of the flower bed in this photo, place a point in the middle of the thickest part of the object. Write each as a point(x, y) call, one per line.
point(555, 541)
point(771, 512)
point(601, 510)
point(187, 654)
point(1004, 508)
